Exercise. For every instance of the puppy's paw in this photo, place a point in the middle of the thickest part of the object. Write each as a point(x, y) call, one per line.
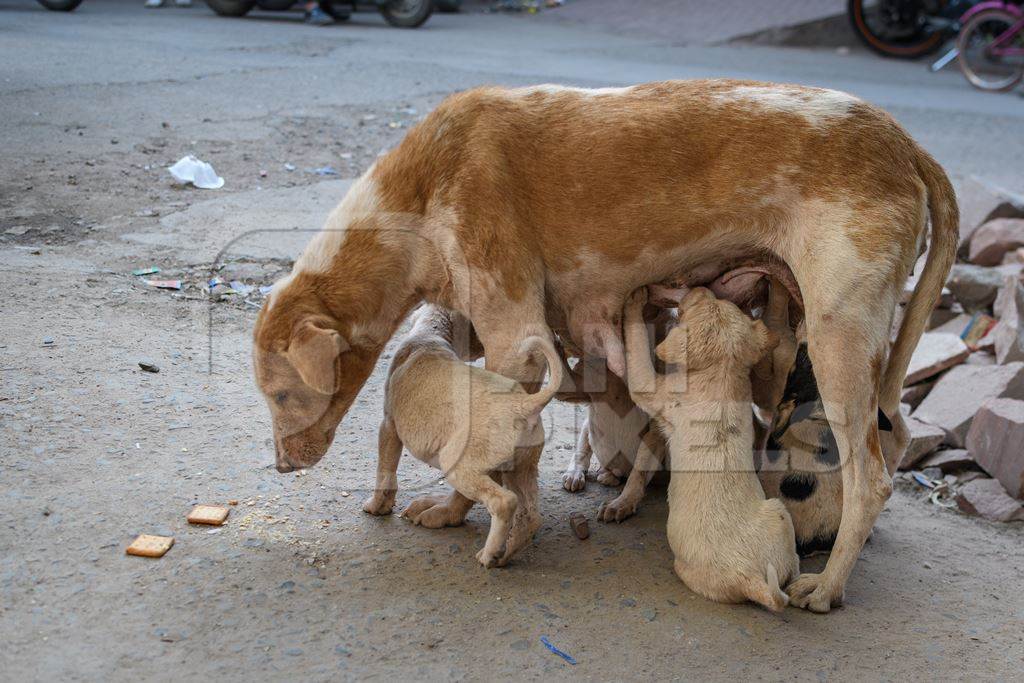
point(616, 510)
point(574, 480)
point(811, 592)
point(432, 512)
point(490, 559)
point(607, 477)
point(380, 503)
point(638, 298)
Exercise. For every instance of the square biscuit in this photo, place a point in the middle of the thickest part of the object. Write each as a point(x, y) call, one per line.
point(208, 514)
point(150, 546)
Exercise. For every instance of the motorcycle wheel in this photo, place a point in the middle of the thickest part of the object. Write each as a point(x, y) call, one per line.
point(275, 5)
point(231, 8)
point(406, 13)
point(894, 28)
point(982, 70)
point(60, 5)
point(339, 10)
point(448, 5)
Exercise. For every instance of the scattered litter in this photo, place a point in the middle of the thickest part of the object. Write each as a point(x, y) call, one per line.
point(394, 124)
point(199, 173)
point(150, 546)
point(148, 366)
point(208, 514)
point(232, 502)
point(979, 326)
point(265, 289)
point(241, 288)
point(564, 655)
point(579, 525)
point(164, 284)
point(923, 480)
point(289, 167)
point(263, 173)
point(151, 270)
point(344, 494)
point(47, 341)
point(325, 170)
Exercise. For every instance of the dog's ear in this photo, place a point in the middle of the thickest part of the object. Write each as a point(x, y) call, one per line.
point(312, 352)
point(673, 348)
point(765, 339)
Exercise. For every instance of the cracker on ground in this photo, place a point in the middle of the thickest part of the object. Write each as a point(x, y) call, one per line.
point(150, 546)
point(208, 514)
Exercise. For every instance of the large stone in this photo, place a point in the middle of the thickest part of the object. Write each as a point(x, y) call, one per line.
point(956, 325)
point(996, 442)
point(990, 242)
point(1008, 334)
point(935, 352)
point(912, 396)
point(948, 461)
point(958, 395)
point(924, 438)
point(986, 497)
point(975, 287)
point(981, 202)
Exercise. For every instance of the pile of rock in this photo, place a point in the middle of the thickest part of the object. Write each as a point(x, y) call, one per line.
point(964, 392)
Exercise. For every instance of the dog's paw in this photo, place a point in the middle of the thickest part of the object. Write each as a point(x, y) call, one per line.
point(606, 477)
point(574, 480)
point(379, 504)
point(490, 559)
point(638, 298)
point(432, 512)
point(810, 592)
point(616, 510)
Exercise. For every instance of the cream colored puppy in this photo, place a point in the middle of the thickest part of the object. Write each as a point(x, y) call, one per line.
point(466, 421)
point(730, 544)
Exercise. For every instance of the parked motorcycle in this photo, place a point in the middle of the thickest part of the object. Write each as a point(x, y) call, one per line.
point(401, 13)
point(906, 28)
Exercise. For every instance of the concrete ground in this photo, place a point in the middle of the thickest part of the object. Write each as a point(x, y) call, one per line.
point(300, 583)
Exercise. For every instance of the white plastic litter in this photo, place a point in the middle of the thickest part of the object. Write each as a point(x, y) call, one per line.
point(199, 173)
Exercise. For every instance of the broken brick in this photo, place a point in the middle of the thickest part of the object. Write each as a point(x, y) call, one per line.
point(987, 498)
point(948, 461)
point(924, 438)
point(958, 395)
point(935, 352)
point(992, 240)
point(995, 441)
point(981, 202)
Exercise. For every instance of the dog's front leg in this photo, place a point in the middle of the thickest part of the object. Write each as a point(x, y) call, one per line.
point(389, 451)
point(648, 461)
point(575, 478)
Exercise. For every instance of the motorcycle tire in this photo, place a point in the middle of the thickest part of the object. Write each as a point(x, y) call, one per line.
point(231, 8)
point(60, 5)
point(275, 5)
point(911, 41)
point(407, 13)
point(448, 5)
point(339, 10)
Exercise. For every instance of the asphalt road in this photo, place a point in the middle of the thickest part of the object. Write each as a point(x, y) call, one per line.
point(300, 583)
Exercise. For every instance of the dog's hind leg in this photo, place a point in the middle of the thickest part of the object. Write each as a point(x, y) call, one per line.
point(522, 480)
point(500, 502)
point(848, 333)
point(648, 461)
point(435, 512)
point(389, 451)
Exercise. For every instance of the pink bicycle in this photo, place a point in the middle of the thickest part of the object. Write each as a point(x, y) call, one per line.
point(991, 45)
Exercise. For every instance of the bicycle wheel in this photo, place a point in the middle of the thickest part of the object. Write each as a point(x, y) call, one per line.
point(980, 65)
point(894, 28)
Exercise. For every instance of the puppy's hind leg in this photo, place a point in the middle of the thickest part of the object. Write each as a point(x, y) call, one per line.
point(389, 451)
point(500, 502)
point(648, 461)
point(575, 478)
point(522, 481)
point(436, 512)
point(767, 591)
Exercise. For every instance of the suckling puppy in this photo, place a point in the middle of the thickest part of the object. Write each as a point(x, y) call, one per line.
point(730, 544)
point(469, 423)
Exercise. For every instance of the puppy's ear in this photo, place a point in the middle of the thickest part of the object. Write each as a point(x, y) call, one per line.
point(673, 348)
point(764, 339)
point(312, 352)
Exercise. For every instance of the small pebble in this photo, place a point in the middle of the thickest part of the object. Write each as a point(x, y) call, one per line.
point(148, 366)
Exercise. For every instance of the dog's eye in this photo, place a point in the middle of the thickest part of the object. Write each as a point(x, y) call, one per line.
point(280, 397)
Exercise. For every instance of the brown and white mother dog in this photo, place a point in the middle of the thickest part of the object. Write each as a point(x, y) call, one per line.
point(542, 208)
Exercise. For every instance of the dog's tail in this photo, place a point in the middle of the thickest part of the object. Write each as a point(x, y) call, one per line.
point(945, 220)
point(536, 402)
point(768, 591)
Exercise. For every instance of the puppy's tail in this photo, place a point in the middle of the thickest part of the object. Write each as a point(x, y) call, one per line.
point(536, 402)
point(767, 591)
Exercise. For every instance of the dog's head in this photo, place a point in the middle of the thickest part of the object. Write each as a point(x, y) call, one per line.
point(308, 371)
point(714, 331)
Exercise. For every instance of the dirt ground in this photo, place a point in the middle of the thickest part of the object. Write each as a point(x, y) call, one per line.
point(300, 582)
